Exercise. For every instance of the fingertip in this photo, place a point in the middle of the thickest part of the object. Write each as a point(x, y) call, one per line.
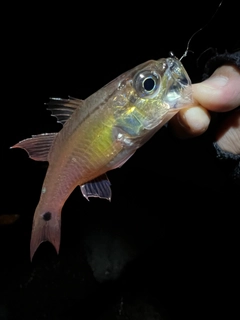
point(196, 119)
point(190, 122)
point(220, 92)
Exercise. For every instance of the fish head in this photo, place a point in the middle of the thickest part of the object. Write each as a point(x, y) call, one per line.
point(161, 89)
point(149, 96)
point(175, 89)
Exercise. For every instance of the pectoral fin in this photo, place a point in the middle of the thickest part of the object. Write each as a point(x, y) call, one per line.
point(38, 146)
point(99, 187)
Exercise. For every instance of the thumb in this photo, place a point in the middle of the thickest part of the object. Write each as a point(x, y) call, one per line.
point(220, 92)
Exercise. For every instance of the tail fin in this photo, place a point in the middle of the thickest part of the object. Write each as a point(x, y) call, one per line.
point(46, 227)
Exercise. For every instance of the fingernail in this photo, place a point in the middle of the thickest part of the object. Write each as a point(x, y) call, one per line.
point(194, 119)
point(182, 120)
point(217, 81)
point(197, 119)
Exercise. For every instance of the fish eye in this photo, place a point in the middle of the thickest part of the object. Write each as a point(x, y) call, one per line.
point(149, 84)
point(146, 83)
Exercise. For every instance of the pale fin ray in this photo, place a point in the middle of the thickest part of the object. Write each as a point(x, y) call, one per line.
point(99, 187)
point(62, 109)
point(38, 146)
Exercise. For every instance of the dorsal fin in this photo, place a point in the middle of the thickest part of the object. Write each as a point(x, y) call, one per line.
point(38, 146)
point(62, 109)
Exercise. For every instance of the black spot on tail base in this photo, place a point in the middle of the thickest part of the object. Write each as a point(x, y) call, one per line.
point(47, 216)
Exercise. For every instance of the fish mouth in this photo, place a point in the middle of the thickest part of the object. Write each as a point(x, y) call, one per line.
point(177, 85)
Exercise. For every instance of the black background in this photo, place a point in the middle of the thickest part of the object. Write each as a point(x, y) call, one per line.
point(171, 203)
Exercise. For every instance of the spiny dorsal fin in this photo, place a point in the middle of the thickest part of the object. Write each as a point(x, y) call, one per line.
point(62, 109)
point(38, 146)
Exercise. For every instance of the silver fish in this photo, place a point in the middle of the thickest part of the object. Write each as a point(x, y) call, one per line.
point(100, 134)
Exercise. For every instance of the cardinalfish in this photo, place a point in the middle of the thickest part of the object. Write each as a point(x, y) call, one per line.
point(100, 134)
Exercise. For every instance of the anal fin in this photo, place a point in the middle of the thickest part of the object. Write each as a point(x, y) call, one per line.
point(99, 187)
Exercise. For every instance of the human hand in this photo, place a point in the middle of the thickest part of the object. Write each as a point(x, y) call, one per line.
point(219, 93)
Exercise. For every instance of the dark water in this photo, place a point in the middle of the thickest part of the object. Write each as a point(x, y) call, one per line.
point(166, 246)
point(157, 250)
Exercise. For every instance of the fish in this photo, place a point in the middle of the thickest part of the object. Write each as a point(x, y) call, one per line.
point(100, 134)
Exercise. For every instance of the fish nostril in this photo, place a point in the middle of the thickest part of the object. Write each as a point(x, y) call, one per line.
point(47, 216)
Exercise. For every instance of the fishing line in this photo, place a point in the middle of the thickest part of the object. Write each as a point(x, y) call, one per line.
point(199, 30)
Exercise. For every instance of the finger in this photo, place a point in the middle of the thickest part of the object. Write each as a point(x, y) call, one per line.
point(220, 92)
point(228, 134)
point(190, 122)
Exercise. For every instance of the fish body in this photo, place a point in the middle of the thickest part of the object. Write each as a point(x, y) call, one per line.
point(100, 134)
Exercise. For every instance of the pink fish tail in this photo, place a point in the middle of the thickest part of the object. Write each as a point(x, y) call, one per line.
point(46, 227)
